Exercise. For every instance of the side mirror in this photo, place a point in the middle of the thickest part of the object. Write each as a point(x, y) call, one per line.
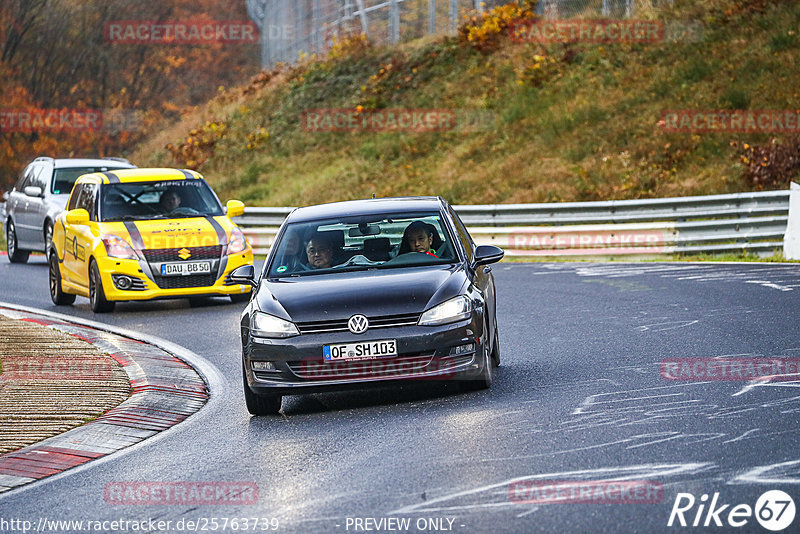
point(246, 274)
point(234, 208)
point(33, 191)
point(486, 254)
point(78, 217)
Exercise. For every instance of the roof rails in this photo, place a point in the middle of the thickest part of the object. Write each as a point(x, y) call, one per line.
point(44, 158)
point(121, 160)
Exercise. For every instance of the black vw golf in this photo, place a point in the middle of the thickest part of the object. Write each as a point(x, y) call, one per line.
point(365, 292)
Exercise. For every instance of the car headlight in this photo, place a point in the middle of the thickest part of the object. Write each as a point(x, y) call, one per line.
point(449, 311)
point(238, 242)
point(265, 325)
point(116, 247)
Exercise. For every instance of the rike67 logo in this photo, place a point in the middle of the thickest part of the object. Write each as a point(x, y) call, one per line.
point(774, 510)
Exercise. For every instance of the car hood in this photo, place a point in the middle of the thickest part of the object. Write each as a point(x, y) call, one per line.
point(330, 297)
point(173, 233)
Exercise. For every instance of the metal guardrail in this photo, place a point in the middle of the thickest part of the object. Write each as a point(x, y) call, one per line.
point(755, 222)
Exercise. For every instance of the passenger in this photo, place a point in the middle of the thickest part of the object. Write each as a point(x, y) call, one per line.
point(290, 255)
point(319, 251)
point(420, 237)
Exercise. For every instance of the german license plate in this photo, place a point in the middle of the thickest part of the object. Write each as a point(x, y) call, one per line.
point(367, 350)
point(185, 268)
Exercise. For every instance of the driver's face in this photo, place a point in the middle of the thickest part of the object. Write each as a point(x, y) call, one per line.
point(170, 200)
point(319, 254)
point(419, 241)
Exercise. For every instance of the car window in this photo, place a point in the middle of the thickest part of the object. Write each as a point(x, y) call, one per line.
point(168, 199)
point(24, 179)
point(64, 179)
point(73, 199)
point(380, 241)
point(463, 235)
point(86, 200)
point(39, 177)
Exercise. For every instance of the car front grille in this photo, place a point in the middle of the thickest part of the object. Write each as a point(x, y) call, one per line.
point(399, 367)
point(171, 254)
point(183, 282)
point(385, 321)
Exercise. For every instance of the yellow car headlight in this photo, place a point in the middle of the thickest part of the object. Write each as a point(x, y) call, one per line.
point(238, 242)
point(116, 247)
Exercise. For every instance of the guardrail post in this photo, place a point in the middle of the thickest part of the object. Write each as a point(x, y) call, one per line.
point(791, 240)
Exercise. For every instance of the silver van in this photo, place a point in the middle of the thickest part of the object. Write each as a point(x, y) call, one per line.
point(40, 194)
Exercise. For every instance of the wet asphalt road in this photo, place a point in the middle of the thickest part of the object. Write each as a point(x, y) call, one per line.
point(578, 397)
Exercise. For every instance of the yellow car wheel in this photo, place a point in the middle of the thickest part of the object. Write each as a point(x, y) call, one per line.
point(96, 294)
point(56, 293)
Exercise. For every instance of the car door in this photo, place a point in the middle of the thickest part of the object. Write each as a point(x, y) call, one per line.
point(78, 238)
point(21, 209)
point(482, 277)
point(37, 206)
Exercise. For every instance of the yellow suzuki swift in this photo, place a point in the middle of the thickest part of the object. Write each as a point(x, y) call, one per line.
point(144, 234)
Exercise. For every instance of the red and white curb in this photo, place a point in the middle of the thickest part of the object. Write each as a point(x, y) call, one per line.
point(166, 391)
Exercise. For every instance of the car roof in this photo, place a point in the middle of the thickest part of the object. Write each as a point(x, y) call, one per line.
point(126, 176)
point(373, 206)
point(66, 163)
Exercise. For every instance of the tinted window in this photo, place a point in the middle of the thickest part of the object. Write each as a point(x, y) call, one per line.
point(24, 180)
point(86, 200)
point(64, 179)
point(39, 178)
point(168, 199)
point(463, 235)
point(73, 199)
point(352, 243)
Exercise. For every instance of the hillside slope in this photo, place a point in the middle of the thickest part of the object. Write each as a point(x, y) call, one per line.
point(568, 121)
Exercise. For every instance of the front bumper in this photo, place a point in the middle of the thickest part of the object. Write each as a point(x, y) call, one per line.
point(145, 288)
point(424, 353)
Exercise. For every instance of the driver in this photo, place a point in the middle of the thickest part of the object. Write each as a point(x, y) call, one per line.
point(319, 251)
point(419, 237)
point(170, 200)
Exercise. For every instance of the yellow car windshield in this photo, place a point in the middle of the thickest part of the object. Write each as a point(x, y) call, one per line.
point(169, 199)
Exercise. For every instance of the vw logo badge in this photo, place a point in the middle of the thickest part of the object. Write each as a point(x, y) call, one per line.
point(358, 324)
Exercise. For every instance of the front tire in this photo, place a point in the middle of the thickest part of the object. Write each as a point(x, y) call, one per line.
point(57, 294)
point(15, 255)
point(484, 379)
point(97, 296)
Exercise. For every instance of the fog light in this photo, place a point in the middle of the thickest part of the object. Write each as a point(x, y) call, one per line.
point(123, 282)
point(462, 349)
point(263, 366)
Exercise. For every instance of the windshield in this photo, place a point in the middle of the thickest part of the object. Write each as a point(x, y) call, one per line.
point(169, 199)
point(362, 243)
point(64, 179)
